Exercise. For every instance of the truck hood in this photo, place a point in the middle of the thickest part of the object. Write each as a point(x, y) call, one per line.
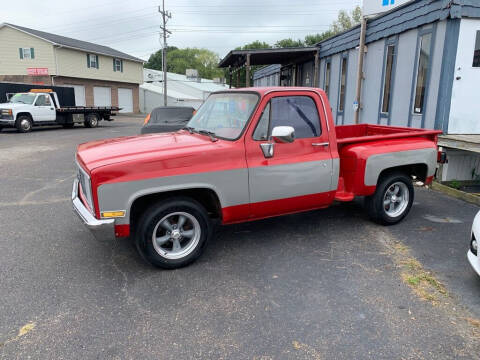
point(153, 146)
point(13, 106)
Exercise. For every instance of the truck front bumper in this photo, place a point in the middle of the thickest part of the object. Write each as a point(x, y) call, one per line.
point(101, 229)
point(7, 121)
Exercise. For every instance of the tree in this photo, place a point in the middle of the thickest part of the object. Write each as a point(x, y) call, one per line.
point(257, 44)
point(179, 60)
point(286, 43)
point(345, 21)
point(312, 40)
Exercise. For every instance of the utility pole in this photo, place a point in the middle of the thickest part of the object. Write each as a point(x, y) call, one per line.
point(165, 16)
point(361, 54)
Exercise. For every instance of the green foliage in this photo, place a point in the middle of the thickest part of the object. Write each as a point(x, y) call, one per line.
point(286, 43)
point(257, 44)
point(455, 184)
point(178, 60)
point(346, 21)
point(312, 40)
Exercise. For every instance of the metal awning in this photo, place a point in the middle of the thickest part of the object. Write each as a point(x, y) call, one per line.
point(236, 58)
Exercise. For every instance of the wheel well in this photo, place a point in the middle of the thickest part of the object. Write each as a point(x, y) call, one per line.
point(420, 171)
point(207, 197)
point(24, 114)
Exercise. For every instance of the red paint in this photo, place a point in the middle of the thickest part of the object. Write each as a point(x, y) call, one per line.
point(159, 155)
point(122, 230)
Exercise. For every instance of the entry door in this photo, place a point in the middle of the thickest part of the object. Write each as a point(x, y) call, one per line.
point(465, 106)
point(299, 174)
point(43, 109)
point(79, 94)
point(102, 96)
point(125, 100)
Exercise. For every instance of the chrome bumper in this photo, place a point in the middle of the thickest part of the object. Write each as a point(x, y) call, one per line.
point(101, 229)
point(474, 261)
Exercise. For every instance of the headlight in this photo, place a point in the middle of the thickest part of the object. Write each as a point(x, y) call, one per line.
point(86, 185)
point(6, 111)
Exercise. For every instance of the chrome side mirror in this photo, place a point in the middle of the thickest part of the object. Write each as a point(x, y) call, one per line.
point(283, 134)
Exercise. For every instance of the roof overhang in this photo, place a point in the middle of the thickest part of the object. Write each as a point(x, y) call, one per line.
point(236, 58)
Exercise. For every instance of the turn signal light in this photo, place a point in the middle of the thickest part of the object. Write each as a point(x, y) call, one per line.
point(147, 119)
point(113, 214)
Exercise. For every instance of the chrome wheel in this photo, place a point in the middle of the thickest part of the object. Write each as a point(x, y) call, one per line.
point(176, 235)
point(396, 198)
point(25, 125)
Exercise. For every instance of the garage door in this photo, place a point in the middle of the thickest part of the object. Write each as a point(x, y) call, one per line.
point(79, 94)
point(125, 100)
point(102, 96)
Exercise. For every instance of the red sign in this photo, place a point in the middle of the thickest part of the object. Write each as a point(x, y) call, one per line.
point(37, 71)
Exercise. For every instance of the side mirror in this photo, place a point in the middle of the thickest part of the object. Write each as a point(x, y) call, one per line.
point(283, 134)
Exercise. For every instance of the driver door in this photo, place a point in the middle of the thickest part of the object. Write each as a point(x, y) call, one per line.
point(43, 109)
point(298, 176)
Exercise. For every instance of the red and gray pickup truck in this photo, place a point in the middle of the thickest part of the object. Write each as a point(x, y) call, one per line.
point(245, 155)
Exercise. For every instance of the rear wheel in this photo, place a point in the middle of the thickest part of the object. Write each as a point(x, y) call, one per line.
point(392, 199)
point(91, 121)
point(173, 233)
point(24, 124)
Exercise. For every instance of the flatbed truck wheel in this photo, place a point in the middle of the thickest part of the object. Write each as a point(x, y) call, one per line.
point(91, 121)
point(392, 199)
point(24, 124)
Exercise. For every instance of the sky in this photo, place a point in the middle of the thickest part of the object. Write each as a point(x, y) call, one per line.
point(218, 25)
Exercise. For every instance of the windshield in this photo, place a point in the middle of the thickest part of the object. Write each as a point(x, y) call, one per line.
point(23, 98)
point(225, 114)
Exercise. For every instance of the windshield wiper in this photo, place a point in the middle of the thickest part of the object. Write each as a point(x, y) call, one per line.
point(209, 133)
point(190, 129)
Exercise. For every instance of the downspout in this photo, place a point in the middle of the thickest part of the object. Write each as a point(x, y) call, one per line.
point(56, 63)
point(361, 54)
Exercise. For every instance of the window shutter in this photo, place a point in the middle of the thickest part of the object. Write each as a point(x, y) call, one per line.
point(114, 65)
point(121, 66)
point(21, 52)
point(32, 54)
point(96, 62)
point(88, 60)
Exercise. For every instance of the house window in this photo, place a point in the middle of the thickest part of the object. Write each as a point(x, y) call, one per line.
point(92, 61)
point(117, 65)
point(26, 53)
point(343, 83)
point(326, 85)
point(387, 80)
point(476, 53)
point(422, 73)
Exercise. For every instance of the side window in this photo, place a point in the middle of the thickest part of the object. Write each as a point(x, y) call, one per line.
point(300, 112)
point(476, 52)
point(42, 100)
point(261, 131)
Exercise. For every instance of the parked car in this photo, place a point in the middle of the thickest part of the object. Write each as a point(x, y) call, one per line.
point(473, 256)
point(167, 119)
point(42, 107)
point(245, 155)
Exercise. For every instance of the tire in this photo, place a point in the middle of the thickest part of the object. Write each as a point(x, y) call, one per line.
point(172, 248)
point(24, 124)
point(68, 126)
point(385, 209)
point(91, 121)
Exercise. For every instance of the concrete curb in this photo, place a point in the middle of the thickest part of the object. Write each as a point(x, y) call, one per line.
point(456, 193)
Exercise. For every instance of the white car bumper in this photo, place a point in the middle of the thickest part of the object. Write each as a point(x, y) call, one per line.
point(474, 261)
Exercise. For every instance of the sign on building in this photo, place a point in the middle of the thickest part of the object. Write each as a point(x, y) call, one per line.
point(375, 7)
point(37, 71)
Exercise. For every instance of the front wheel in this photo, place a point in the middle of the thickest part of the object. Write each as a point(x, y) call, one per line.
point(24, 124)
point(173, 233)
point(392, 199)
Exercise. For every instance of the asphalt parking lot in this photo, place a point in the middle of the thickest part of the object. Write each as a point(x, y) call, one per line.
point(326, 284)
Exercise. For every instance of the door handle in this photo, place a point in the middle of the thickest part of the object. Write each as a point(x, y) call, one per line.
point(321, 144)
point(51, 109)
